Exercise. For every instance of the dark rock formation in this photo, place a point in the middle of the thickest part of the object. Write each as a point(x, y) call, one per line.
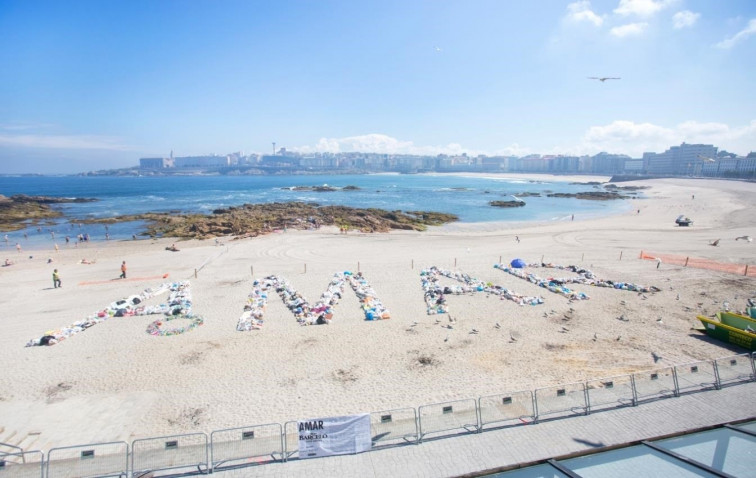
point(18, 210)
point(507, 203)
point(593, 195)
point(251, 220)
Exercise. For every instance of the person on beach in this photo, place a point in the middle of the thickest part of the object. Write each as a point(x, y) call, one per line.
point(18, 247)
point(123, 270)
point(56, 279)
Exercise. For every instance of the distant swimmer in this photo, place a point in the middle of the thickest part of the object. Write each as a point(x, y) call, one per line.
point(603, 78)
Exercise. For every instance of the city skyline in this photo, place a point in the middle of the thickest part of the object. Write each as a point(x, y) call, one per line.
point(94, 85)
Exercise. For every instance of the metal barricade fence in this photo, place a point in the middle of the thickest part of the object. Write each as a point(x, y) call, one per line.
point(695, 376)
point(734, 369)
point(561, 400)
point(393, 426)
point(254, 444)
point(95, 459)
point(655, 384)
point(611, 392)
point(515, 408)
point(245, 443)
point(169, 452)
point(448, 416)
point(22, 464)
point(291, 439)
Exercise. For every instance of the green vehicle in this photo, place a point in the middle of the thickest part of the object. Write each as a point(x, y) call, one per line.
point(733, 328)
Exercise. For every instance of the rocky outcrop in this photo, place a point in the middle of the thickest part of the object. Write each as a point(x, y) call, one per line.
point(19, 210)
point(251, 220)
point(507, 203)
point(593, 195)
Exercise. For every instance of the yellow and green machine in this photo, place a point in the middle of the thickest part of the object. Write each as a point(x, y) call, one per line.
point(733, 328)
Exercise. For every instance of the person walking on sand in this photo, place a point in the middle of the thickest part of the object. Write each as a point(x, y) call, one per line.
point(56, 279)
point(123, 270)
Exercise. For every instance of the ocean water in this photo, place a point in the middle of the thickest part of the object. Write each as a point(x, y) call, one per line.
point(467, 197)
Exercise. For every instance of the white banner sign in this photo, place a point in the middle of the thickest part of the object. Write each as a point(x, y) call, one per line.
point(334, 436)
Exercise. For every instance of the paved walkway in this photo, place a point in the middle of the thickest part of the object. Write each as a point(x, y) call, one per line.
point(492, 450)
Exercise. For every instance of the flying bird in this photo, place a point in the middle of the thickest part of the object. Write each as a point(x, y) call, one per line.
point(438, 49)
point(603, 78)
point(745, 238)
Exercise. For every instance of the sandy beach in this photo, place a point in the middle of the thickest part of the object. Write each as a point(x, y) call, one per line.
point(114, 381)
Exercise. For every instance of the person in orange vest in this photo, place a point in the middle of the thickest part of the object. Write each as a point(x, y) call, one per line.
point(123, 270)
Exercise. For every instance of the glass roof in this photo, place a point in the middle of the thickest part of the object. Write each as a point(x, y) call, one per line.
point(725, 451)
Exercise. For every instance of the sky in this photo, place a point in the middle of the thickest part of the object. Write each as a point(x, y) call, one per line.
point(90, 85)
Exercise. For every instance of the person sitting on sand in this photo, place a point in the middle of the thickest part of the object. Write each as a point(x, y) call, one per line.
point(172, 248)
point(8, 262)
point(87, 261)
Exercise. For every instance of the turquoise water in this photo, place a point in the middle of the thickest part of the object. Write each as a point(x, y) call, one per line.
point(467, 197)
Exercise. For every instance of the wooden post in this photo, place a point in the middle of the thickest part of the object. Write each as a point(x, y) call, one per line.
point(252, 270)
point(746, 271)
point(195, 273)
point(305, 270)
point(686, 261)
point(499, 259)
point(455, 262)
point(620, 255)
point(413, 264)
point(358, 266)
point(541, 259)
point(641, 255)
point(582, 258)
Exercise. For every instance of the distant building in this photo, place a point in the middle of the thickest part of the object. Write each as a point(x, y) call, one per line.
point(155, 163)
point(202, 161)
point(683, 160)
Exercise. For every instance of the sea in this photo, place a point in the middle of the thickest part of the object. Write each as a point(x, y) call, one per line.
point(466, 196)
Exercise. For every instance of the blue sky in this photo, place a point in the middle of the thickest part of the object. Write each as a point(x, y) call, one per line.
point(97, 85)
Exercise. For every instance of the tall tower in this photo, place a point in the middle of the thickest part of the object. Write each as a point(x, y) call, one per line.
point(274, 148)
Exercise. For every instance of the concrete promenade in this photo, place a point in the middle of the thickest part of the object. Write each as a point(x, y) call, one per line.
point(472, 454)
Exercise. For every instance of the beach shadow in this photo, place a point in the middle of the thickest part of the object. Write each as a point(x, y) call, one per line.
point(705, 338)
point(51, 288)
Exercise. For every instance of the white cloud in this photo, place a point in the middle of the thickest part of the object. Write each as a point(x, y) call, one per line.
point(628, 30)
point(62, 142)
point(580, 11)
point(384, 144)
point(684, 19)
point(378, 143)
point(643, 8)
point(738, 37)
point(634, 139)
point(620, 137)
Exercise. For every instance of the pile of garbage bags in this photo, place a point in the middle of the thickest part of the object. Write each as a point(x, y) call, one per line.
point(434, 293)
point(179, 304)
point(588, 278)
point(306, 314)
point(554, 285)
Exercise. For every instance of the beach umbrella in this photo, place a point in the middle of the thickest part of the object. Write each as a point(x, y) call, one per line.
point(518, 264)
